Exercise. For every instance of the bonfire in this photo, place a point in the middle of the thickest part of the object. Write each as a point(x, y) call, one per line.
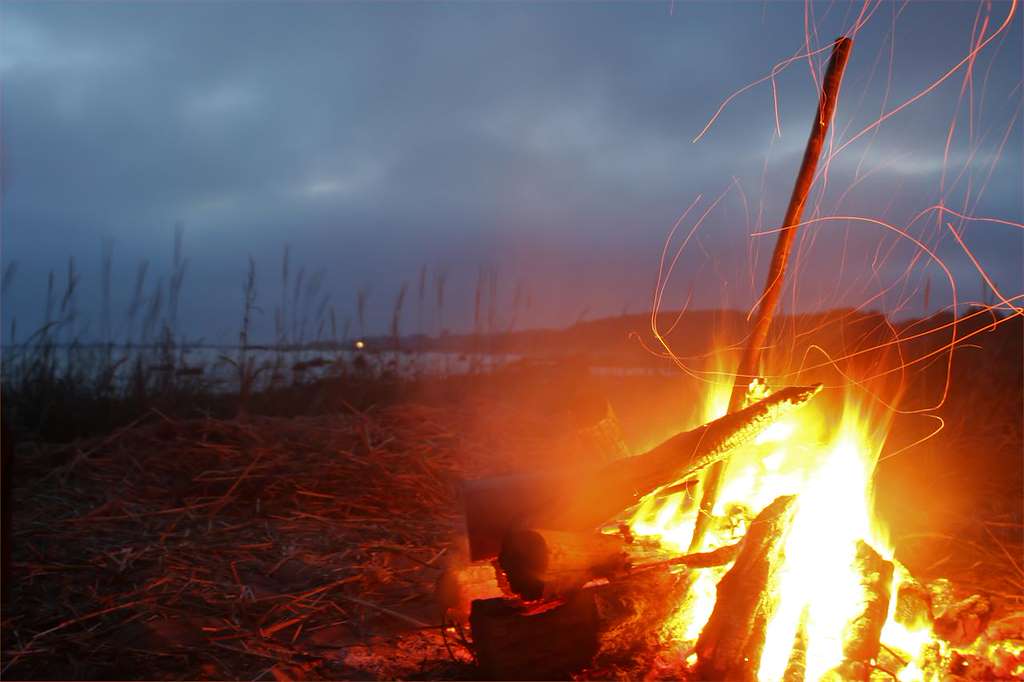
point(773, 567)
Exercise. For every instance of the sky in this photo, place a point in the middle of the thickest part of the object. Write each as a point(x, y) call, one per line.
point(547, 145)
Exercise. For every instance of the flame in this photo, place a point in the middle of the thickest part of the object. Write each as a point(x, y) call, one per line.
point(830, 468)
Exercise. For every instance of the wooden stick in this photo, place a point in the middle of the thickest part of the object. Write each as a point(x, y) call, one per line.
point(625, 482)
point(549, 563)
point(582, 499)
point(749, 363)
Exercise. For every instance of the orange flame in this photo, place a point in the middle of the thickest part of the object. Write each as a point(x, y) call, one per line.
point(830, 468)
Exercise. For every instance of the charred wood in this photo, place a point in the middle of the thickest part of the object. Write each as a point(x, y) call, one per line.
point(623, 483)
point(583, 499)
point(598, 625)
point(731, 643)
point(550, 563)
point(511, 643)
point(862, 638)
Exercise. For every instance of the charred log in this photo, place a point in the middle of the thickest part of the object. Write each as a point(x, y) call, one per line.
point(731, 643)
point(511, 643)
point(549, 563)
point(597, 625)
point(584, 499)
point(623, 483)
point(862, 639)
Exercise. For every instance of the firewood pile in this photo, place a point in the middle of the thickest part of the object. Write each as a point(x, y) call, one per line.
point(561, 587)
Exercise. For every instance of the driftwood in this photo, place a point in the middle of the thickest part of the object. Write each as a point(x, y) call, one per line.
point(584, 499)
point(548, 563)
point(597, 625)
point(862, 638)
point(730, 645)
point(751, 359)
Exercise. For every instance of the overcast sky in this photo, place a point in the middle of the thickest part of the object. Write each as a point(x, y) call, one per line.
point(550, 142)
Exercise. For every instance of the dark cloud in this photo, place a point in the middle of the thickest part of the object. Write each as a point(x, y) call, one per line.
point(550, 140)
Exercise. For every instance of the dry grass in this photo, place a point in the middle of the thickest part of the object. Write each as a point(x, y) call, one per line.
point(301, 547)
point(239, 549)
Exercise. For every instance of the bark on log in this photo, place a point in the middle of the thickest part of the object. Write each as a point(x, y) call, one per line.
point(600, 624)
point(862, 638)
point(583, 499)
point(549, 563)
point(731, 643)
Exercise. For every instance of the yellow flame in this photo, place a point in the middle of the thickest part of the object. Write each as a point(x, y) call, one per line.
point(830, 469)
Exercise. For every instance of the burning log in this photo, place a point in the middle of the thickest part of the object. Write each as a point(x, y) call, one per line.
point(584, 499)
point(548, 563)
point(863, 633)
point(595, 624)
point(730, 645)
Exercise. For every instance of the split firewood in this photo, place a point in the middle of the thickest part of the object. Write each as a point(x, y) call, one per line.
point(549, 563)
point(862, 637)
point(516, 641)
point(731, 643)
point(583, 499)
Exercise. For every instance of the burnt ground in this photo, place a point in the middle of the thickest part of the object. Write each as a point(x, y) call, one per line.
point(302, 547)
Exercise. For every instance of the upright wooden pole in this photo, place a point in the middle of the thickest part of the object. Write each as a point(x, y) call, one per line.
point(749, 363)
